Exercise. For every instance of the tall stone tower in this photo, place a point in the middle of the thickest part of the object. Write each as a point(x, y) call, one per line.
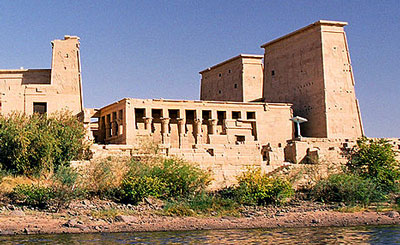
point(237, 79)
point(311, 68)
point(45, 90)
point(66, 73)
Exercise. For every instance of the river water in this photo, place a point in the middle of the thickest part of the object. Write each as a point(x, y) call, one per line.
point(314, 235)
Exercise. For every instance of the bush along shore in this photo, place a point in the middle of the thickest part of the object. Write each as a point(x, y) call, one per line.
point(41, 193)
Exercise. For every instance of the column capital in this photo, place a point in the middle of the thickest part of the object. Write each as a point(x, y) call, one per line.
point(181, 121)
point(165, 119)
point(213, 121)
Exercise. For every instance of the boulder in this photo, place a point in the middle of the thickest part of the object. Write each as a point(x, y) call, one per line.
point(393, 214)
point(17, 213)
point(70, 223)
point(126, 219)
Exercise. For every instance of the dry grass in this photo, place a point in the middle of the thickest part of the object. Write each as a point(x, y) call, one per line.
point(352, 209)
point(307, 175)
point(8, 183)
point(101, 174)
point(111, 213)
point(148, 147)
point(375, 207)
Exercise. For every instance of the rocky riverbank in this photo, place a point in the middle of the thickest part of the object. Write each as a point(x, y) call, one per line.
point(103, 216)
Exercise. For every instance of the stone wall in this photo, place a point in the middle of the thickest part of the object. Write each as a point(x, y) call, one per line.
point(227, 161)
point(45, 90)
point(223, 162)
point(237, 79)
point(312, 150)
point(311, 69)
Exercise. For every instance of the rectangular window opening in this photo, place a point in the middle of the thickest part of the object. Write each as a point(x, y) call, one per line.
point(156, 114)
point(139, 115)
point(174, 115)
point(240, 139)
point(206, 115)
point(40, 107)
point(251, 115)
point(221, 115)
point(190, 115)
point(236, 115)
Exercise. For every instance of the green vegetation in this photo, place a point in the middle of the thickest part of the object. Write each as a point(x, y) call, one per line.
point(375, 160)
point(58, 193)
point(371, 174)
point(348, 188)
point(170, 178)
point(183, 186)
point(64, 186)
point(31, 145)
point(256, 188)
point(202, 204)
point(32, 195)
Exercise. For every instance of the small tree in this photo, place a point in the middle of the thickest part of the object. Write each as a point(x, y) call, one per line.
point(375, 160)
point(256, 188)
point(32, 144)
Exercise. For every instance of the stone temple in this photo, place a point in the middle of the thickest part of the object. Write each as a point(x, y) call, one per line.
point(243, 117)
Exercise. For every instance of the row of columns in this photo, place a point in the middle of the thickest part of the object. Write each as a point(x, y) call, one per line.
point(112, 128)
point(181, 128)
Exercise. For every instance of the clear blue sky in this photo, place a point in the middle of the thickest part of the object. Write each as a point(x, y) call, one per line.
point(155, 49)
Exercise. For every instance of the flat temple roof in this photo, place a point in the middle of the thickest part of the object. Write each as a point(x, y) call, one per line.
point(22, 70)
point(199, 102)
point(256, 56)
point(318, 23)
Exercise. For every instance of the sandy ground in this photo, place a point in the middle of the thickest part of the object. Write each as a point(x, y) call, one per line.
point(80, 219)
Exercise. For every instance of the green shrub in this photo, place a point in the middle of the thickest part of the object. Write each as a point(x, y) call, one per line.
point(208, 203)
point(180, 178)
point(181, 208)
point(348, 188)
point(64, 186)
point(32, 144)
point(135, 188)
point(170, 178)
point(202, 204)
point(65, 177)
point(60, 192)
point(68, 133)
point(3, 174)
point(255, 188)
point(33, 195)
point(375, 160)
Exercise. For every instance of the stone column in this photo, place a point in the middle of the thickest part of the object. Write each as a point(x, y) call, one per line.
point(147, 123)
point(197, 130)
point(115, 128)
point(181, 130)
point(165, 130)
point(213, 126)
point(107, 127)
